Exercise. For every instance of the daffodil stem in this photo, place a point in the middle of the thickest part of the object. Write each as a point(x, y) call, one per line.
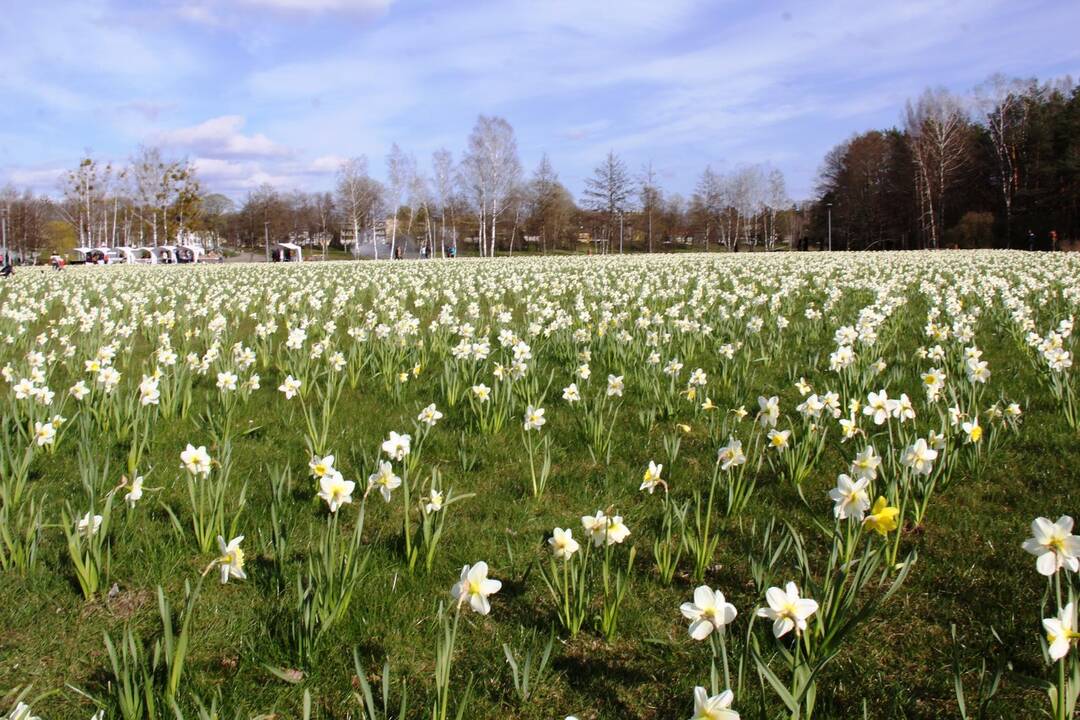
point(532, 463)
point(1059, 711)
point(895, 550)
point(409, 555)
point(1060, 714)
point(704, 558)
point(571, 596)
point(796, 661)
point(719, 647)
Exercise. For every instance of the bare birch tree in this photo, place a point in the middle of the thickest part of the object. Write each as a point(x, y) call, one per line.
point(709, 198)
point(1005, 106)
point(937, 130)
point(544, 198)
point(359, 199)
point(84, 190)
point(491, 170)
point(475, 192)
point(442, 177)
point(398, 177)
point(420, 201)
point(775, 199)
point(747, 194)
point(608, 191)
point(651, 198)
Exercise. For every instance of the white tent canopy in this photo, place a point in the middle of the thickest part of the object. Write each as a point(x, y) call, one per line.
point(166, 254)
point(289, 252)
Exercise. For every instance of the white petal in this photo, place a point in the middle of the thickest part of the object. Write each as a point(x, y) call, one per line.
point(1042, 528)
point(480, 604)
point(1047, 564)
point(704, 597)
point(775, 597)
point(805, 607)
point(782, 626)
point(690, 611)
point(700, 629)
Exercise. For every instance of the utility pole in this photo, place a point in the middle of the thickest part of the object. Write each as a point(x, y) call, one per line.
point(3, 229)
point(828, 206)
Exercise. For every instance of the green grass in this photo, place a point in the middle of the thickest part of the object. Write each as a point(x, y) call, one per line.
point(971, 571)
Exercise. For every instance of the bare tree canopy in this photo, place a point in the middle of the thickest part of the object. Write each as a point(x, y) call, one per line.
point(608, 191)
point(360, 201)
point(938, 133)
point(490, 171)
point(650, 196)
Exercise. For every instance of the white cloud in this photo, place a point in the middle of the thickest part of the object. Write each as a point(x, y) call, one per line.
point(218, 170)
point(40, 179)
point(221, 137)
point(235, 176)
point(318, 6)
point(147, 109)
point(240, 14)
point(586, 130)
point(326, 164)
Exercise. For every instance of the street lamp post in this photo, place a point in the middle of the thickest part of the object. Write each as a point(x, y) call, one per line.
point(266, 235)
point(3, 230)
point(828, 207)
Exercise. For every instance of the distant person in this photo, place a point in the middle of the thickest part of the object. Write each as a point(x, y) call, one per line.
point(1031, 239)
point(7, 270)
point(1053, 240)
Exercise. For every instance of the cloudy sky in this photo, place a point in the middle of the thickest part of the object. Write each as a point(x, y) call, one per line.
point(281, 91)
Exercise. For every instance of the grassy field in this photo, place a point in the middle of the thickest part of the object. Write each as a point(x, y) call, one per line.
point(411, 334)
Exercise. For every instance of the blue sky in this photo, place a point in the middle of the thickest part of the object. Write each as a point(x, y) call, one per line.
point(281, 91)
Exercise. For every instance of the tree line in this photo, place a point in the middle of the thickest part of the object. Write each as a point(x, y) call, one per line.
point(486, 202)
point(996, 167)
point(483, 202)
point(150, 200)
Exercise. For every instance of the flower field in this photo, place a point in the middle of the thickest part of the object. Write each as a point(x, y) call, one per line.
point(694, 486)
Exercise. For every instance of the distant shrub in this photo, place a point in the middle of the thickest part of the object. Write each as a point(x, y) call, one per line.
point(975, 230)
